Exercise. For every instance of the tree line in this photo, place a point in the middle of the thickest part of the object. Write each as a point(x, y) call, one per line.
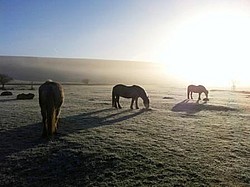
point(4, 79)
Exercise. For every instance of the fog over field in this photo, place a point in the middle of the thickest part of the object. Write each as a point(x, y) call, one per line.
point(75, 70)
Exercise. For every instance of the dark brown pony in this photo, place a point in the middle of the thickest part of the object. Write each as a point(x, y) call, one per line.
point(51, 97)
point(196, 89)
point(133, 92)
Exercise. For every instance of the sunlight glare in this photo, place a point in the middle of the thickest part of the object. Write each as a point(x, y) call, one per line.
point(210, 48)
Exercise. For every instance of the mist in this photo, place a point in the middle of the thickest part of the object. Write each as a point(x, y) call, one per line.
point(75, 70)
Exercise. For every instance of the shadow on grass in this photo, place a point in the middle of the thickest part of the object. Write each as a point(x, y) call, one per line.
point(7, 100)
point(95, 119)
point(29, 136)
point(21, 138)
point(191, 107)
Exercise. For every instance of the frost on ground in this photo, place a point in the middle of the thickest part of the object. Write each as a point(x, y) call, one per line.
point(175, 142)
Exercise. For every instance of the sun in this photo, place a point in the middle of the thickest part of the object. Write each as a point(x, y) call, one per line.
point(210, 48)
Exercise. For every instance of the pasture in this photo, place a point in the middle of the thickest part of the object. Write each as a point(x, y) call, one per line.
point(174, 143)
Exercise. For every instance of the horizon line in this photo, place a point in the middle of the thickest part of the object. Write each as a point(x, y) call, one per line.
point(75, 58)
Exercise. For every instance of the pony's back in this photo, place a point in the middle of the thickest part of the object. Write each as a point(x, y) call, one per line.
point(52, 91)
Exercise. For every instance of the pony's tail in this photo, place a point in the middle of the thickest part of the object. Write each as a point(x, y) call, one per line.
point(51, 116)
point(113, 98)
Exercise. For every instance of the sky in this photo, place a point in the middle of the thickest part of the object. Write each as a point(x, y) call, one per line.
point(198, 41)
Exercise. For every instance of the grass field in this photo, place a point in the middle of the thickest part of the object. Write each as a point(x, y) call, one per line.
point(174, 143)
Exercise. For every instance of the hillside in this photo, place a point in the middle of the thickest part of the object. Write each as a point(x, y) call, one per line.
point(69, 69)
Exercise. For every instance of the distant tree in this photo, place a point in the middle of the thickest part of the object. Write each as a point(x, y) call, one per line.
point(4, 79)
point(32, 85)
point(85, 81)
point(233, 85)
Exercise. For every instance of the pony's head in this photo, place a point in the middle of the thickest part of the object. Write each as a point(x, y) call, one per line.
point(146, 102)
point(206, 93)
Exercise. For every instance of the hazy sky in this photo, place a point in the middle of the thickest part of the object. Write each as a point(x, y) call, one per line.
point(111, 29)
point(188, 36)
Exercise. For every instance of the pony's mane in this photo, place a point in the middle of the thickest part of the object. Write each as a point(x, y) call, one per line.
point(48, 81)
point(140, 89)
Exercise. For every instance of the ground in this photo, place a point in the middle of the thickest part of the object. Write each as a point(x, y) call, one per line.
point(177, 142)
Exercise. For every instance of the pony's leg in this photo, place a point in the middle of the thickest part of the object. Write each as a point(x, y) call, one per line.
point(115, 102)
point(136, 103)
point(57, 117)
point(118, 102)
point(191, 95)
point(199, 96)
point(188, 94)
point(45, 127)
point(132, 103)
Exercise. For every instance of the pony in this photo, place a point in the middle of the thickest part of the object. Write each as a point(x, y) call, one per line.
point(196, 89)
point(133, 92)
point(51, 97)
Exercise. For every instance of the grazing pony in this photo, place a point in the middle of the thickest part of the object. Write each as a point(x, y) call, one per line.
point(133, 92)
point(196, 89)
point(51, 97)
